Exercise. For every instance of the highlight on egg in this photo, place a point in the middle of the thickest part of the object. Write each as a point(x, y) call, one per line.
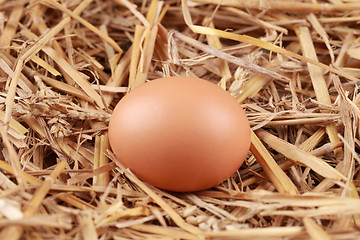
point(180, 134)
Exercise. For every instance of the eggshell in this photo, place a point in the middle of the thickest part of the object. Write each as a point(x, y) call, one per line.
point(180, 133)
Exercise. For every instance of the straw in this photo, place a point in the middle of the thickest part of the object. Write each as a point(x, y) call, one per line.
point(291, 65)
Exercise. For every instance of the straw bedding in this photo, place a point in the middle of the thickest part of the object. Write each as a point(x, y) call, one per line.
point(292, 65)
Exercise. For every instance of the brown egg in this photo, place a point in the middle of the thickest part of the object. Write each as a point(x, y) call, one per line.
point(180, 134)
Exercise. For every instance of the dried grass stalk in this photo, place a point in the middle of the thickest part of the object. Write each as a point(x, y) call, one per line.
point(292, 65)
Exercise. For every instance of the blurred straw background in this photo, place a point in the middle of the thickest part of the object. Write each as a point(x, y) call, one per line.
point(293, 65)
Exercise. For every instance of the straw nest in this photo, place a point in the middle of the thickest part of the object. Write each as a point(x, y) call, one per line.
point(292, 65)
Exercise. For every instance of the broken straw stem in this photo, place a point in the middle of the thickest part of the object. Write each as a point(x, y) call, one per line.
point(228, 57)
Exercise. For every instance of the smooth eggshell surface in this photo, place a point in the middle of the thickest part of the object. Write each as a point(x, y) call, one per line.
point(180, 134)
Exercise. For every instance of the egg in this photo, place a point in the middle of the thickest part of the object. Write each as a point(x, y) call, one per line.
point(180, 134)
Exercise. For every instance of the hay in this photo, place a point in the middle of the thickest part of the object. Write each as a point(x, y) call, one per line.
point(292, 65)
